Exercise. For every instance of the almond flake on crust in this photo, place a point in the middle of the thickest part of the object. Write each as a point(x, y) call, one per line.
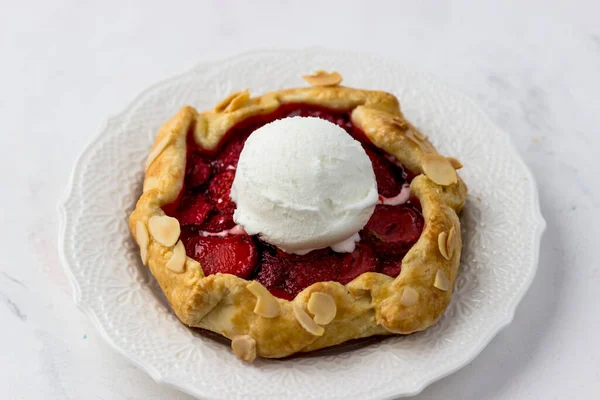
point(413, 138)
point(441, 281)
point(398, 123)
point(322, 306)
point(418, 134)
point(323, 78)
point(164, 229)
point(222, 105)
point(443, 245)
point(452, 244)
point(177, 261)
point(409, 297)
point(244, 347)
point(456, 164)
point(238, 101)
point(438, 169)
point(142, 238)
point(266, 304)
point(158, 149)
point(306, 321)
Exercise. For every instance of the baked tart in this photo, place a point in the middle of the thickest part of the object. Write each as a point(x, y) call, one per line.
point(300, 219)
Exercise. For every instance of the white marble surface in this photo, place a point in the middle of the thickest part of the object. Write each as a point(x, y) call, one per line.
point(534, 66)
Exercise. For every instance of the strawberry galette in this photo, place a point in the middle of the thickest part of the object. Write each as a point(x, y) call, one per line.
point(300, 219)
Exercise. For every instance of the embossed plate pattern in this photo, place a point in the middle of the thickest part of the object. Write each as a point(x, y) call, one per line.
point(124, 302)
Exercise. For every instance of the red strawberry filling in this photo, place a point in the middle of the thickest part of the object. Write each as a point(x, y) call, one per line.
point(230, 153)
point(290, 274)
point(218, 223)
point(236, 255)
point(204, 208)
point(193, 210)
point(389, 176)
point(390, 267)
point(218, 191)
point(392, 230)
point(198, 170)
point(361, 260)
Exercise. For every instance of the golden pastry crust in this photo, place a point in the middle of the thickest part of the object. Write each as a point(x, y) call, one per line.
point(373, 303)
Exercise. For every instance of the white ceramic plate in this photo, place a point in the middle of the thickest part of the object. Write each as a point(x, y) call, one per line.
point(502, 227)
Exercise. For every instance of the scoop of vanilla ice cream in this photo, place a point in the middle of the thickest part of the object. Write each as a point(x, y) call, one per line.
point(303, 184)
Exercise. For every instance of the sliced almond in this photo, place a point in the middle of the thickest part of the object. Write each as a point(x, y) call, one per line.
point(443, 245)
point(323, 307)
point(398, 123)
point(150, 183)
point(142, 238)
point(164, 229)
point(451, 243)
point(410, 296)
point(222, 105)
point(410, 136)
point(158, 148)
point(323, 78)
point(270, 100)
point(238, 101)
point(454, 162)
point(438, 169)
point(418, 134)
point(177, 261)
point(244, 347)
point(441, 281)
point(306, 321)
point(266, 304)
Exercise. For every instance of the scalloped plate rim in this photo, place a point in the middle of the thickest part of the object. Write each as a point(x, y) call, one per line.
point(418, 386)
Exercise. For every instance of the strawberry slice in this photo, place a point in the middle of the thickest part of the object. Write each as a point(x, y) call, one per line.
point(193, 210)
point(388, 176)
point(273, 271)
point(236, 255)
point(392, 230)
point(230, 154)
point(218, 223)
point(218, 192)
point(286, 275)
point(391, 267)
point(358, 262)
point(304, 273)
point(197, 171)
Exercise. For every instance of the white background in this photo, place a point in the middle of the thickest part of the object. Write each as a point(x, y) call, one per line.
point(66, 66)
